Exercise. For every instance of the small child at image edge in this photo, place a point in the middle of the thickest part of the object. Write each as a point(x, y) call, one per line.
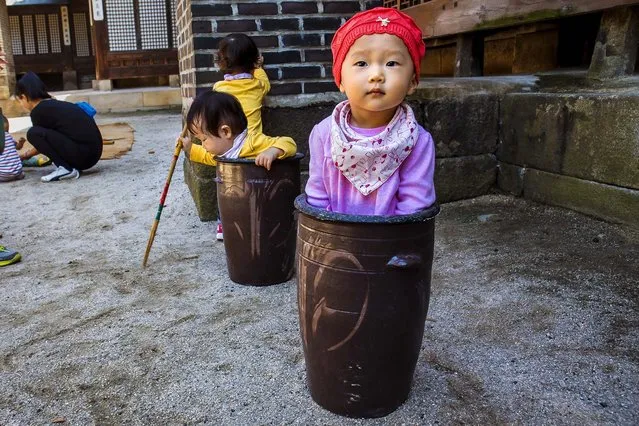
point(371, 157)
point(10, 162)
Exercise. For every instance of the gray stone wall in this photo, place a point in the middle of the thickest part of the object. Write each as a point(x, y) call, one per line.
point(577, 150)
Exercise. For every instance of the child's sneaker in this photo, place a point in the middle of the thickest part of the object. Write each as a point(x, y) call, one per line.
point(61, 173)
point(39, 160)
point(8, 256)
point(218, 234)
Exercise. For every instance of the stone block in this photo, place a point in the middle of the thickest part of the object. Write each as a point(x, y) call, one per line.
point(174, 80)
point(510, 178)
point(102, 85)
point(532, 131)
point(589, 136)
point(603, 142)
point(464, 177)
point(200, 180)
point(162, 98)
point(117, 101)
point(462, 126)
point(608, 202)
point(296, 123)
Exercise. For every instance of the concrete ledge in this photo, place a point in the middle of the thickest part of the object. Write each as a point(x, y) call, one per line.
point(611, 203)
point(464, 177)
point(125, 100)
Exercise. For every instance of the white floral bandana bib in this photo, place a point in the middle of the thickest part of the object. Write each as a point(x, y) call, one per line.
point(367, 162)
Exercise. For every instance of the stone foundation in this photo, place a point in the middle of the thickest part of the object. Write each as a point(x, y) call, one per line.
point(533, 137)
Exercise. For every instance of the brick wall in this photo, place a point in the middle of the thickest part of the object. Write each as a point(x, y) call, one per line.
point(186, 56)
point(293, 36)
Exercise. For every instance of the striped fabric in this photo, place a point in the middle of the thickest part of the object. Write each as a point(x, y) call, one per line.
point(10, 164)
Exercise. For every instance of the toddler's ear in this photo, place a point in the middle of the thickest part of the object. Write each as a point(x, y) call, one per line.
point(414, 82)
point(341, 88)
point(225, 131)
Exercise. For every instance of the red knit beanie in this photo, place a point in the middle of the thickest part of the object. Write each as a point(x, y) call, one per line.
point(380, 20)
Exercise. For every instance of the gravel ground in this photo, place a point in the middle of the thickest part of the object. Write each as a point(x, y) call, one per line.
point(533, 317)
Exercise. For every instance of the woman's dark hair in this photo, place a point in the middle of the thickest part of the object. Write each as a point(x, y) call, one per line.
point(237, 53)
point(32, 87)
point(214, 109)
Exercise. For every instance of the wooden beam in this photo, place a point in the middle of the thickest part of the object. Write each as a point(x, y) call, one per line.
point(438, 18)
point(469, 59)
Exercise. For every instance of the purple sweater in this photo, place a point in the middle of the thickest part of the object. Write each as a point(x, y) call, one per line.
point(408, 190)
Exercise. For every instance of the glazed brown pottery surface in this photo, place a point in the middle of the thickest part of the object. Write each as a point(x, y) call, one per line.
point(256, 209)
point(363, 294)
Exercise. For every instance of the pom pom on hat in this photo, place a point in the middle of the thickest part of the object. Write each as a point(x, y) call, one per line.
point(380, 20)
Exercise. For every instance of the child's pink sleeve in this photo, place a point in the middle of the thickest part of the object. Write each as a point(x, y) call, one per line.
point(316, 194)
point(416, 188)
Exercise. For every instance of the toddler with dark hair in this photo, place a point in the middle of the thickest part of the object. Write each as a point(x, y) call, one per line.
point(218, 121)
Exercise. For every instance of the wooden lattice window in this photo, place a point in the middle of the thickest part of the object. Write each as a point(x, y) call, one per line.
point(54, 33)
point(16, 37)
point(141, 24)
point(29, 36)
point(153, 29)
point(173, 24)
point(81, 35)
point(41, 33)
point(121, 25)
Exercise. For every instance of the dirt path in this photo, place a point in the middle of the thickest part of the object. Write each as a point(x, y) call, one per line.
point(534, 313)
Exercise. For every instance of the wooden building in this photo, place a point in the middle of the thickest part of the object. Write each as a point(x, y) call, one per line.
point(72, 43)
point(499, 37)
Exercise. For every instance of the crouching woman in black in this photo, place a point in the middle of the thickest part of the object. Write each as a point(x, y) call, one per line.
point(61, 130)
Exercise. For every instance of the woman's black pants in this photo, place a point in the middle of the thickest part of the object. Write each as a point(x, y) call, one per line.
point(64, 151)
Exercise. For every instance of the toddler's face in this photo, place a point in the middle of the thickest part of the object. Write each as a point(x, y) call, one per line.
point(216, 145)
point(377, 74)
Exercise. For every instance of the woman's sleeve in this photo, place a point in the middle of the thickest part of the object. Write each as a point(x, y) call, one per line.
point(260, 74)
point(316, 193)
point(416, 188)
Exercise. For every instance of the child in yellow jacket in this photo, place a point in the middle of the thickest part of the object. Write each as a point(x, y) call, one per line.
point(239, 59)
point(218, 121)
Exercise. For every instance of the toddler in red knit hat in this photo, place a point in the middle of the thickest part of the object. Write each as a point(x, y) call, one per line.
point(371, 157)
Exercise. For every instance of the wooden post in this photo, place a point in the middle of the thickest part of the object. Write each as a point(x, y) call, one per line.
point(469, 59)
point(100, 43)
